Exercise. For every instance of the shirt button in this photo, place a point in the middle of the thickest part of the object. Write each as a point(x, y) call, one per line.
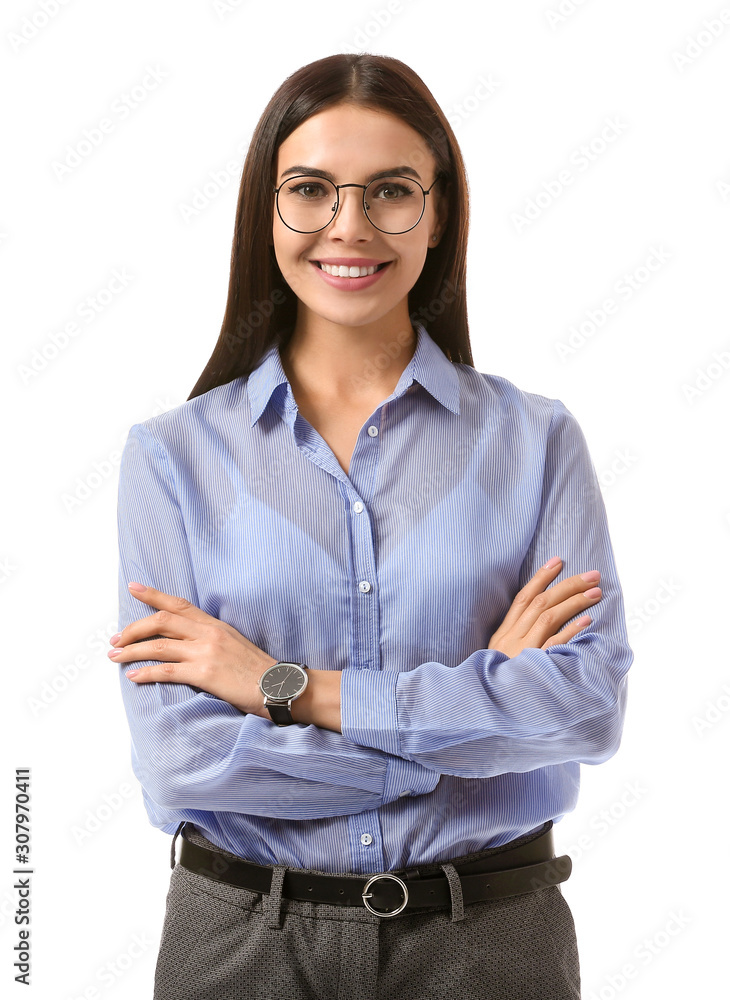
point(363, 586)
point(407, 792)
point(358, 506)
point(372, 431)
point(366, 839)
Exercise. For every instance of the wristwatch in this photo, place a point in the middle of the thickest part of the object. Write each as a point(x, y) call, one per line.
point(280, 684)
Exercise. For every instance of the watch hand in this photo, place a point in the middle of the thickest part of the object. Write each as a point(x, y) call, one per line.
point(285, 680)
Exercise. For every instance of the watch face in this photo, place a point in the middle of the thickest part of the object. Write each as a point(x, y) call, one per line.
point(283, 681)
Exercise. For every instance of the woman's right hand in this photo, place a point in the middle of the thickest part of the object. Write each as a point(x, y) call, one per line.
point(537, 615)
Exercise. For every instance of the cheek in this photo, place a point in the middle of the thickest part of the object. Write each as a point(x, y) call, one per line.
point(288, 247)
point(281, 241)
point(291, 253)
point(415, 257)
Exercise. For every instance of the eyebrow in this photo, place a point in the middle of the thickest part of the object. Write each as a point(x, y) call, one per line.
point(317, 172)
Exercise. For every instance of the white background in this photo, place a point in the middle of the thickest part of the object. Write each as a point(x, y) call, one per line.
point(648, 385)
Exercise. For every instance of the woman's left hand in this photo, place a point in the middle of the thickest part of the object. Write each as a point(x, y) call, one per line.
point(195, 649)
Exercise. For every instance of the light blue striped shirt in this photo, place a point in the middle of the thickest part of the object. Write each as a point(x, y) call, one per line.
point(460, 487)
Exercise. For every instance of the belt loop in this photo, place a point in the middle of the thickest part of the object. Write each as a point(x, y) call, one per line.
point(272, 901)
point(172, 848)
point(457, 896)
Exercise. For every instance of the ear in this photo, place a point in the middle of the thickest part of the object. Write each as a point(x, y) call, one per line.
point(441, 190)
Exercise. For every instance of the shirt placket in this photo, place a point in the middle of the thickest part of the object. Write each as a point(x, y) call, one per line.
point(366, 840)
point(357, 488)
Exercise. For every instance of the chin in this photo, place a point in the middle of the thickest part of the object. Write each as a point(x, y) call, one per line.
point(352, 315)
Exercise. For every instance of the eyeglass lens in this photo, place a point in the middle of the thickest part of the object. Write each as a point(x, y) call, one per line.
point(393, 204)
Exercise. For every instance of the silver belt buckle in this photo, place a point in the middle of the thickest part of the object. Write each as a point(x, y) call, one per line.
point(368, 895)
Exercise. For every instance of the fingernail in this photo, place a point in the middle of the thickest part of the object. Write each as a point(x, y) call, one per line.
point(592, 593)
point(136, 586)
point(131, 673)
point(591, 576)
point(114, 652)
point(115, 638)
point(583, 621)
point(551, 563)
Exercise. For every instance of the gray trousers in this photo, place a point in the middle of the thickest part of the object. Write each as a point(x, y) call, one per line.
point(220, 942)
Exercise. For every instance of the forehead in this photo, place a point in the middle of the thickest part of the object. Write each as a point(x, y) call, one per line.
point(347, 138)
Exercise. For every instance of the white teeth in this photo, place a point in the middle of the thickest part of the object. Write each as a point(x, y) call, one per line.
point(347, 272)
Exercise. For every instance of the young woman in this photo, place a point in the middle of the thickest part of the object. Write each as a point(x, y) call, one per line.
point(356, 662)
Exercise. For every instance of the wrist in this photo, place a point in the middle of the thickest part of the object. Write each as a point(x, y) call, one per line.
point(319, 704)
point(259, 708)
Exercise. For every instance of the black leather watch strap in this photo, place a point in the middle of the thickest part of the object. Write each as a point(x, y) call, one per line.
point(280, 714)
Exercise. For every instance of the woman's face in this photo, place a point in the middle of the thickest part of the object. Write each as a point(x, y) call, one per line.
point(352, 144)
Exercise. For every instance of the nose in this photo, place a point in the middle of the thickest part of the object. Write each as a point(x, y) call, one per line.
point(350, 222)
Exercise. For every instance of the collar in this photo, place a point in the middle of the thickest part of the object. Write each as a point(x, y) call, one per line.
point(429, 366)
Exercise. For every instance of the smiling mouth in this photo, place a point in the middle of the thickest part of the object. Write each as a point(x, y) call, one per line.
point(343, 271)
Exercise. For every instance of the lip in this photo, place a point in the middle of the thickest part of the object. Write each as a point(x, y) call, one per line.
point(351, 284)
point(348, 261)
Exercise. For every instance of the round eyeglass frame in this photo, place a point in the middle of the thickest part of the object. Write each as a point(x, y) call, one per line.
point(364, 187)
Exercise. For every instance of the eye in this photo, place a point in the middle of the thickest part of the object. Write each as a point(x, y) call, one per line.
point(307, 190)
point(391, 190)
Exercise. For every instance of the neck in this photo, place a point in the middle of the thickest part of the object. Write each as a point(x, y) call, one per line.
point(347, 364)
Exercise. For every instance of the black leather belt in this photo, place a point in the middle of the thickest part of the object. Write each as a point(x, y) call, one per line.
point(511, 872)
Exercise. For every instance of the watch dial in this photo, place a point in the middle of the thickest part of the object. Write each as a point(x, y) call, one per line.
point(283, 681)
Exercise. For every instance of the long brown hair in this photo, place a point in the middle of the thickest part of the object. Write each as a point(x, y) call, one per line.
point(261, 308)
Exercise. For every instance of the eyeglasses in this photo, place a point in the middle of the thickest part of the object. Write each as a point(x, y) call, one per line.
point(394, 204)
